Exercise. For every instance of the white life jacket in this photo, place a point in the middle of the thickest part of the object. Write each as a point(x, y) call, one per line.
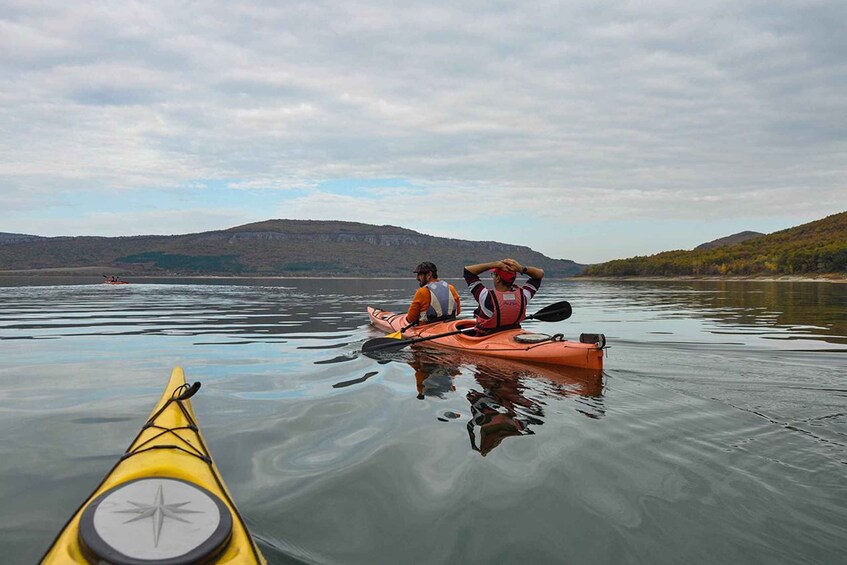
point(442, 305)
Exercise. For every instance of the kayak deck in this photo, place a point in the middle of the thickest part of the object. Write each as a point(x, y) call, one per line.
point(164, 501)
point(504, 344)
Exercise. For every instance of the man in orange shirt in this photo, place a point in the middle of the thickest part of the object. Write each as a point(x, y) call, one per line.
point(435, 300)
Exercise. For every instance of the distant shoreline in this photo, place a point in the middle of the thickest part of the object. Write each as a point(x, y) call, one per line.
point(129, 277)
point(831, 278)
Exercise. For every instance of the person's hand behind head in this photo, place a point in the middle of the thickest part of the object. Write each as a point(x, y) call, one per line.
point(511, 265)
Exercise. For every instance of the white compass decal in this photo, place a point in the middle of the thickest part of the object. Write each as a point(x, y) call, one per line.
point(180, 515)
point(157, 512)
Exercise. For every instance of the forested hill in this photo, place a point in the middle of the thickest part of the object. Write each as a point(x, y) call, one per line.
point(815, 248)
point(273, 247)
point(16, 237)
point(729, 240)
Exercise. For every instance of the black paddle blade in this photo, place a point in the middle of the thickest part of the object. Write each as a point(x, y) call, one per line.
point(554, 313)
point(384, 345)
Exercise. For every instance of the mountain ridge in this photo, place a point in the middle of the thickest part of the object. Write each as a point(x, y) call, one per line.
point(270, 248)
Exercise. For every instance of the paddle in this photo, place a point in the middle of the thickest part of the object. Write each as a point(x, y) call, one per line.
point(399, 334)
point(552, 313)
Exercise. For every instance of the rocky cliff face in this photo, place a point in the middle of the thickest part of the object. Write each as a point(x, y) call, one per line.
point(377, 239)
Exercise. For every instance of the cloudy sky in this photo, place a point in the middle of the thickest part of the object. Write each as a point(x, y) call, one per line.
point(586, 130)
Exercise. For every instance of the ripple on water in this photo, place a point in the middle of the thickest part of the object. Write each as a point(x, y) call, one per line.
point(720, 417)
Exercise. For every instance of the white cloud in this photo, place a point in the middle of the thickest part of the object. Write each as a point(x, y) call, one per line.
point(589, 112)
point(139, 222)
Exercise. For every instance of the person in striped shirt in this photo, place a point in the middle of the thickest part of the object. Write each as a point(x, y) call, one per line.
point(504, 306)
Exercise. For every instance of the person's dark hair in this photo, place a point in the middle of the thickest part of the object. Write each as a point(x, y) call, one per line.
point(427, 267)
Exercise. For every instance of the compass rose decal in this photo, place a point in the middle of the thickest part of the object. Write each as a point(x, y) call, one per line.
point(157, 512)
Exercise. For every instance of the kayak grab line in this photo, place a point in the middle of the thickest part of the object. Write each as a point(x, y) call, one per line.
point(194, 451)
point(179, 394)
point(184, 392)
point(557, 338)
point(526, 347)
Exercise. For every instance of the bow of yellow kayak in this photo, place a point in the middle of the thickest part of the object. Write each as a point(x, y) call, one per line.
point(163, 502)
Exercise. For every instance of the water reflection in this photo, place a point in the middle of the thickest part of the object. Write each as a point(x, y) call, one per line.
point(311, 433)
point(506, 398)
point(500, 410)
point(252, 314)
point(271, 310)
point(767, 310)
point(433, 376)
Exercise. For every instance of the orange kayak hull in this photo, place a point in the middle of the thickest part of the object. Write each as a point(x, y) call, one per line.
point(501, 344)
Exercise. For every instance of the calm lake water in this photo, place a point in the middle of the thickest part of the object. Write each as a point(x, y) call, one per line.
point(716, 434)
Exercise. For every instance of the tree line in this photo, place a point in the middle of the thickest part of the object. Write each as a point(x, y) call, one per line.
point(816, 248)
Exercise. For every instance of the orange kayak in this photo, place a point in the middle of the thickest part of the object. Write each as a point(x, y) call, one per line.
point(515, 344)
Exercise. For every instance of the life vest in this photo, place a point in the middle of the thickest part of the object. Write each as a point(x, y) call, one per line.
point(442, 305)
point(509, 310)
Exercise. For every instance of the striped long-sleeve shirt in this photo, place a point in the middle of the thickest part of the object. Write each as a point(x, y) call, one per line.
point(485, 299)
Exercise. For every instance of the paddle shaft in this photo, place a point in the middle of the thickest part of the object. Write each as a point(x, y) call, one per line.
point(389, 343)
point(399, 333)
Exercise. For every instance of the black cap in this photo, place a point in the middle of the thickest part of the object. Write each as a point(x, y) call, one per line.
point(426, 267)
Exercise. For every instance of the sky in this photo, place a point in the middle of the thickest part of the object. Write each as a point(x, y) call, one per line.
point(585, 130)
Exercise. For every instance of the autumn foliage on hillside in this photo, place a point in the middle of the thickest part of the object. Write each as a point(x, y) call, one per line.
point(815, 248)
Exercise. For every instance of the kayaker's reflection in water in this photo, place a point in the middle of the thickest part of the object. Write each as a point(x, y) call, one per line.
point(499, 406)
point(494, 415)
point(432, 379)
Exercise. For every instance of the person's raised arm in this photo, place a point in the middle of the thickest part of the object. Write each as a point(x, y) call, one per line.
point(482, 267)
point(531, 272)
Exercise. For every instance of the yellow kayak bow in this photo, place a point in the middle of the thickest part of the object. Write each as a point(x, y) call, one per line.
point(163, 502)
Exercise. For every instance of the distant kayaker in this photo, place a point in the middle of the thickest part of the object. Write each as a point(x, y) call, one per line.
point(435, 300)
point(505, 305)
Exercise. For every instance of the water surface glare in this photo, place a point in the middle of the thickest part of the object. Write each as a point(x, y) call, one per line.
point(716, 434)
